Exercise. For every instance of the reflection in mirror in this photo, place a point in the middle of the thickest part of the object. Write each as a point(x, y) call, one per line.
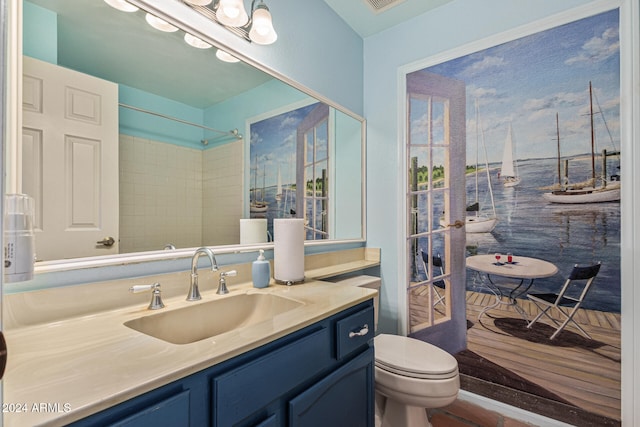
point(190, 144)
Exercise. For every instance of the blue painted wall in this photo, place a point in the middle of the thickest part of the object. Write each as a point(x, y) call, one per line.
point(40, 36)
point(144, 125)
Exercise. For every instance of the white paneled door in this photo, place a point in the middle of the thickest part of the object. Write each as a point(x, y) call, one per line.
point(70, 160)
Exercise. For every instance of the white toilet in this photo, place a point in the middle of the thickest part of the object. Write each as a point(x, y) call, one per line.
point(411, 375)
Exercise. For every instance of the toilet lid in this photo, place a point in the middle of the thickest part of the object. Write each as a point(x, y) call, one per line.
point(413, 358)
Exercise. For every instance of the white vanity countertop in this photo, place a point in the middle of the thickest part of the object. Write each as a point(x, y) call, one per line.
point(65, 370)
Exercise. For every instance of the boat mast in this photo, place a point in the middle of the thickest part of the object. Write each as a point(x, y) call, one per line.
point(255, 181)
point(558, 139)
point(593, 138)
point(477, 148)
point(486, 166)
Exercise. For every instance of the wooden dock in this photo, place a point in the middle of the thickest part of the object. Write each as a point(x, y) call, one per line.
point(570, 378)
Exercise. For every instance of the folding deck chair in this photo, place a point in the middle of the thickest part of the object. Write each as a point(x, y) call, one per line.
point(580, 280)
point(438, 285)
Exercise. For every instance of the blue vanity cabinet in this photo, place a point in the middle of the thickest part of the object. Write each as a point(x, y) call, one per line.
point(321, 375)
point(340, 399)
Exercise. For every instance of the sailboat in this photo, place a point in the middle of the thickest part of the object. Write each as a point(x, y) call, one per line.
point(604, 192)
point(257, 206)
point(475, 220)
point(509, 169)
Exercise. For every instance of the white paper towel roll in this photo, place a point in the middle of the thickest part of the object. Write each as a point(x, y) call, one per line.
point(288, 249)
point(253, 230)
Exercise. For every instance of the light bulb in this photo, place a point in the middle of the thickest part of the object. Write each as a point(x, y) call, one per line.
point(199, 2)
point(160, 24)
point(262, 31)
point(225, 56)
point(121, 5)
point(232, 13)
point(195, 41)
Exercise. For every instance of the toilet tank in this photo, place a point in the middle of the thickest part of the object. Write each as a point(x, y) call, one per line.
point(370, 282)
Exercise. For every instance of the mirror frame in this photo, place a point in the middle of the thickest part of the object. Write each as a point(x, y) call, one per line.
point(189, 20)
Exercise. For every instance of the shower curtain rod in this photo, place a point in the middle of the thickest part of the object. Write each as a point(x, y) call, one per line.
point(232, 133)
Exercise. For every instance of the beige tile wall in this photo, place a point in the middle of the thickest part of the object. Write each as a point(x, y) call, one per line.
point(178, 195)
point(160, 195)
point(222, 193)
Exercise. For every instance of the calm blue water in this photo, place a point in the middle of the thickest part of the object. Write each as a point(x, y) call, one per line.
point(563, 234)
point(530, 226)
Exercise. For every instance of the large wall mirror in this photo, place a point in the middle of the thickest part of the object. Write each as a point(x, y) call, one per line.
point(199, 145)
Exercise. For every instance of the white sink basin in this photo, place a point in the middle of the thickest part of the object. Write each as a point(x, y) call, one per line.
point(205, 320)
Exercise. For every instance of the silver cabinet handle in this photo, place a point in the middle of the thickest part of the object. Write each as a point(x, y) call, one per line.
point(107, 241)
point(362, 332)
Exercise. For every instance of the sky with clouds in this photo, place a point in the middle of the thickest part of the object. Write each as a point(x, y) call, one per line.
point(527, 81)
point(273, 145)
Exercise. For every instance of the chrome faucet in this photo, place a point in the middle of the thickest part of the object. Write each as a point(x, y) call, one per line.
point(156, 297)
point(222, 284)
point(194, 292)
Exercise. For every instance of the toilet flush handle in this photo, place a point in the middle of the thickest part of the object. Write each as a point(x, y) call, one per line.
point(364, 330)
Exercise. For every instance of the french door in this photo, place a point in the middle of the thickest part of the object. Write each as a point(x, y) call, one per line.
point(312, 183)
point(435, 206)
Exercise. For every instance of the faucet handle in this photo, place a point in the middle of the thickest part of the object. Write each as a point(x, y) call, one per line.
point(228, 273)
point(156, 296)
point(222, 285)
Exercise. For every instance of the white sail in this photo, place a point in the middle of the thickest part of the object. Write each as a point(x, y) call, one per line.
point(509, 168)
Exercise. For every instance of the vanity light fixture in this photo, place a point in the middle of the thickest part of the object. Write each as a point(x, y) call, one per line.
point(231, 14)
point(122, 5)
point(262, 31)
point(160, 24)
point(195, 41)
point(225, 56)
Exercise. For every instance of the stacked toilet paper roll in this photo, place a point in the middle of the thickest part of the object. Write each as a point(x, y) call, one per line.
point(253, 230)
point(288, 250)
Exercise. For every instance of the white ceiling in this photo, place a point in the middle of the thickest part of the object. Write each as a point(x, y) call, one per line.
point(360, 15)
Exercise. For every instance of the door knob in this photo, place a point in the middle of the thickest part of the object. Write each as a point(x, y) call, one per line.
point(107, 241)
point(457, 224)
point(3, 354)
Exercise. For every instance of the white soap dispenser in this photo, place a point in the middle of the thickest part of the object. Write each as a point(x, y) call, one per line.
point(261, 271)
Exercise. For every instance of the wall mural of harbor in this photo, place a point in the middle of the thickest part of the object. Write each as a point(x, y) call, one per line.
point(274, 162)
point(548, 107)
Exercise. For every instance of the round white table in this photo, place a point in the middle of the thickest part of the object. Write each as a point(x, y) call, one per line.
point(521, 268)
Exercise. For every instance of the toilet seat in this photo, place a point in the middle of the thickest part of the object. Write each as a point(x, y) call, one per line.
point(413, 358)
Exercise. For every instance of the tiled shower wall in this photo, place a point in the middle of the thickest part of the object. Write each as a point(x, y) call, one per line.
point(168, 193)
point(222, 193)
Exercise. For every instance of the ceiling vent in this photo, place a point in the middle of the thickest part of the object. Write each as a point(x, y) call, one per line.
point(379, 6)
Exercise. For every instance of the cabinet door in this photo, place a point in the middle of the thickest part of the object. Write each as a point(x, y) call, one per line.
point(272, 421)
point(170, 412)
point(345, 398)
point(144, 411)
point(242, 391)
